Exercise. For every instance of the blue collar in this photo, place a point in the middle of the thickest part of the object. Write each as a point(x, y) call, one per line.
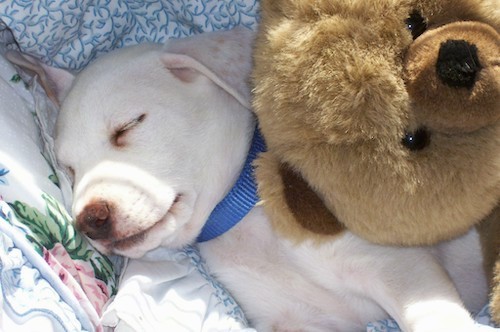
point(240, 199)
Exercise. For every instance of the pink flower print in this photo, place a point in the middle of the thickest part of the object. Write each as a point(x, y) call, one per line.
point(82, 275)
point(56, 266)
point(96, 289)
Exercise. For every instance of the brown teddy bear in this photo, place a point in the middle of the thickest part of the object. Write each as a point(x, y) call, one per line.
point(382, 117)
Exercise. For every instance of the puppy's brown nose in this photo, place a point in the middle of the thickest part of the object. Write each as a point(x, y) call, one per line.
point(94, 221)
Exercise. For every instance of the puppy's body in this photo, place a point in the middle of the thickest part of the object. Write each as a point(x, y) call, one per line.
point(343, 284)
point(155, 140)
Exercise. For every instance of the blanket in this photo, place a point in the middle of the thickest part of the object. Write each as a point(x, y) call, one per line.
point(51, 279)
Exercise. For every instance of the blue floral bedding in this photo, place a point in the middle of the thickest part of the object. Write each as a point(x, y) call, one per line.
point(70, 33)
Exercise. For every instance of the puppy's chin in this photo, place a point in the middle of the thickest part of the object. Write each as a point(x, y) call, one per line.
point(134, 246)
point(173, 231)
point(137, 245)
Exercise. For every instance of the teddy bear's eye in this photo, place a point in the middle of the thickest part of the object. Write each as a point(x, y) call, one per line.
point(416, 24)
point(418, 140)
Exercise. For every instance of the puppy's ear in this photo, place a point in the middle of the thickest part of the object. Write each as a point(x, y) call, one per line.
point(224, 57)
point(56, 82)
point(187, 69)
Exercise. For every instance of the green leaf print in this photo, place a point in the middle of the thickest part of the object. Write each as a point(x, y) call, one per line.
point(16, 78)
point(103, 270)
point(54, 179)
point(42, 232)
point(55, 226)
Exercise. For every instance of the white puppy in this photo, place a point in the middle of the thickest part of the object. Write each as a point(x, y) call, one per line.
point(156, 139)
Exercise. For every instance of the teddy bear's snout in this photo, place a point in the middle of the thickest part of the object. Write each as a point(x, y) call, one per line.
point(452, 75)
point(458, 64)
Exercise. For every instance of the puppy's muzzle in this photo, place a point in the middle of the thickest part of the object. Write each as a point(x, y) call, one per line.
point(95, 220)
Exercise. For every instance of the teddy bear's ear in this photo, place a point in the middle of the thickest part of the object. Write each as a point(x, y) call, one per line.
point(293, 206)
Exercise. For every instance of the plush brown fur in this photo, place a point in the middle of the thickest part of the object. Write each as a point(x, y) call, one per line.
point(338, 85)
point(290, 196)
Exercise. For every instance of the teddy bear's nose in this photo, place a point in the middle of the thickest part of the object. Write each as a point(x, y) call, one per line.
point(458, 64)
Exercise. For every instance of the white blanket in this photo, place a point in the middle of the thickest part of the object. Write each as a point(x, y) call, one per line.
point(172, 291)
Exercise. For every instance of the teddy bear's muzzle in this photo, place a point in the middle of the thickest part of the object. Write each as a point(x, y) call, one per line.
point(452, 75)
point(457, 64)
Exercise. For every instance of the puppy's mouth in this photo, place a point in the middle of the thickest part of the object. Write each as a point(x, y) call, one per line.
point(123, 244)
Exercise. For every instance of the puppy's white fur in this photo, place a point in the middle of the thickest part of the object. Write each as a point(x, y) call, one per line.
point(156, 181)
point(171, 168)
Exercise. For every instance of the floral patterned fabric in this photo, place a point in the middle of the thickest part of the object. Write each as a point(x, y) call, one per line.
point(70, 33)
point(87, 273)
point(50, 275)
point(32, 288)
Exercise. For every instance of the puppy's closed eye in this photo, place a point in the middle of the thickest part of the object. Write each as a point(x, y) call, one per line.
point(119, 134)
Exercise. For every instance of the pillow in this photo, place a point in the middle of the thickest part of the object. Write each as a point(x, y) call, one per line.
point(51, 278)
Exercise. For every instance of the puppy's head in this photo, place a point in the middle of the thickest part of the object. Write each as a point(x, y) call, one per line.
point(153, 140)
